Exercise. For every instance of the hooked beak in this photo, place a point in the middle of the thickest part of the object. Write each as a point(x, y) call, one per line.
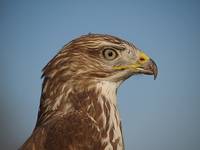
point(148, 68)
point(144, 65)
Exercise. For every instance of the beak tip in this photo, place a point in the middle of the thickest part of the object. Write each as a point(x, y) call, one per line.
point(154, 69)
point(155, 76)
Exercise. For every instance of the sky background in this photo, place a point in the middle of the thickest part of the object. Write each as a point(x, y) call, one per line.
point(157, 115)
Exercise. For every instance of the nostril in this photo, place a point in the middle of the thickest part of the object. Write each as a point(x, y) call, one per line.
point(142, 59)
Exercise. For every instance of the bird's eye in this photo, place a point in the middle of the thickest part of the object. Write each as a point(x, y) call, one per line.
point(110, 54)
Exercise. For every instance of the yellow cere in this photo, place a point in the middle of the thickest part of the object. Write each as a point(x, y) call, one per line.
point(143, 58)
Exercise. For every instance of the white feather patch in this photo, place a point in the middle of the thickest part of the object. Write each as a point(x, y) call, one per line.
point(108, 89)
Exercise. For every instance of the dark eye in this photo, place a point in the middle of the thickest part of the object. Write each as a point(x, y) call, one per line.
point(110, 54)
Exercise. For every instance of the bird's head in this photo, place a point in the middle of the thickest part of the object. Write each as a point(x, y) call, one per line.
point(100, 57)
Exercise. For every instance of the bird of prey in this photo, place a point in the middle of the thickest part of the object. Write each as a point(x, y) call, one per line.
point(78, 105)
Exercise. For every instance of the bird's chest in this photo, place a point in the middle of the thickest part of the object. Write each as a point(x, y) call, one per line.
point(112, 134)
point(110, 125)
point(108, 118)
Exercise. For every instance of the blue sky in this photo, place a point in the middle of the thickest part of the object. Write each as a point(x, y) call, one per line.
point(157, 115)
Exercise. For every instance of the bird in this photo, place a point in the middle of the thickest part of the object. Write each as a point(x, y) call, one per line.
point(78, 105)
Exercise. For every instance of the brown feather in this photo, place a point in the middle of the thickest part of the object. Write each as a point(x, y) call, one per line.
point(74, 113)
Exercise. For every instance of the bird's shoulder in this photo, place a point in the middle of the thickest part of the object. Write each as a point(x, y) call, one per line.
point(75, 130)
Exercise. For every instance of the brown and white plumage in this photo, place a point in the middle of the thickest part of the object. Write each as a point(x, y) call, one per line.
point(78, 107)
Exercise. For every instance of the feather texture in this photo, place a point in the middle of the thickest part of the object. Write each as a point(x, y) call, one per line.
point(78, 106)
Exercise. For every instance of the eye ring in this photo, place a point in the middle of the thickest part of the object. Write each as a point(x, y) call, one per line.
point(110, 54)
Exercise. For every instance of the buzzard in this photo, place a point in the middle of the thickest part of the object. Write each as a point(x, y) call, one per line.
point(78, 105)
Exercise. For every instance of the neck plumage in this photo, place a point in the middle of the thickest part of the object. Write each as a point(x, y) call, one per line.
point(98, 100)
